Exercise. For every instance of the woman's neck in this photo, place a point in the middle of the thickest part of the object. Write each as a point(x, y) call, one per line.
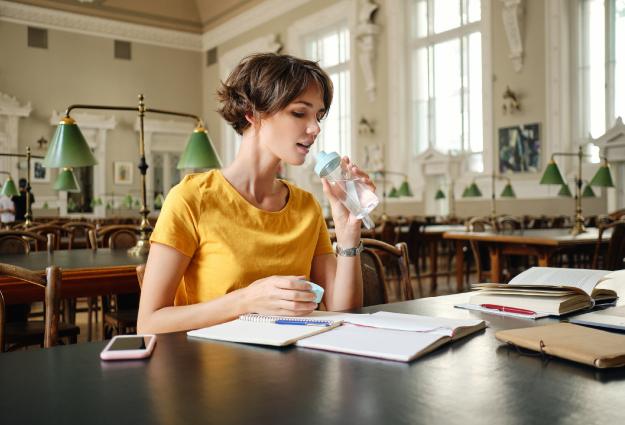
point(253, 173)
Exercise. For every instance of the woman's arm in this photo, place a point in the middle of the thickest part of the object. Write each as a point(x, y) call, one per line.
point(341, 276)
point(282, 295)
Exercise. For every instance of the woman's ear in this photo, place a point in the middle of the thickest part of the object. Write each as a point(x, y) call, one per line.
point(253, 119)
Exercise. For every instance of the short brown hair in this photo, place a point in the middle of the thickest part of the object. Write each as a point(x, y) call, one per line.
point(265, 83)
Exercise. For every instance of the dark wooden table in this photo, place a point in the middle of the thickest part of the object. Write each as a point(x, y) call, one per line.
point(541, 243)
point(476, 380)
point(85, 273)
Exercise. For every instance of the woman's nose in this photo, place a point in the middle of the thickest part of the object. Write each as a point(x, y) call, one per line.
point(313, 128)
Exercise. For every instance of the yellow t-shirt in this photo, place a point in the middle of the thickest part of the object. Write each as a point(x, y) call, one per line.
point(233, 243)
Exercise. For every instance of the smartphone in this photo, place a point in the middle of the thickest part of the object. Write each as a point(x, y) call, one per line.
point(123, 347)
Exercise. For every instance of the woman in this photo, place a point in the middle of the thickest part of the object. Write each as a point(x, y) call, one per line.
point(240, 240)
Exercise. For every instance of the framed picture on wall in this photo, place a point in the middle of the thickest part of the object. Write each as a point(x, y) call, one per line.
point(122, 172)
point(39, 173)
point(520, 149)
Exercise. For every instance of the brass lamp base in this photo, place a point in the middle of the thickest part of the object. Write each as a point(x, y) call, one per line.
point(142, 248)
point(578, 228)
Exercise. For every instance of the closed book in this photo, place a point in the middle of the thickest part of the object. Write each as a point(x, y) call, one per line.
point(580, 344)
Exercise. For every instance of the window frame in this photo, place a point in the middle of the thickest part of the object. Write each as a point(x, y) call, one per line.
point(458, 33)
point(579, 111)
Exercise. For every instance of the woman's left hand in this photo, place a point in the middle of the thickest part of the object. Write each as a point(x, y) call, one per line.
point(347, 226)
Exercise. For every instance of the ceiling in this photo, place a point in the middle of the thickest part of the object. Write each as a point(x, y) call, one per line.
point(195, 16)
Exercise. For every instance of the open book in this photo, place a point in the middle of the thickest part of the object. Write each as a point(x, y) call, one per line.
point(544, 291)
point(393, 336)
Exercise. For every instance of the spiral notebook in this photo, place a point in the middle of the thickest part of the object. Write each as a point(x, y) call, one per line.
point(270, 330)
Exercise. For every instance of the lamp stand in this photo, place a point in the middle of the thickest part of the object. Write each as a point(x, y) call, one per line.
point(28, 216)
point(143, 244)
point(578, 227)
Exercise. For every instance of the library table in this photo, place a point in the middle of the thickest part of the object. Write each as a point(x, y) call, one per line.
point(542, 243)
point(86, 273)
point(476, 380)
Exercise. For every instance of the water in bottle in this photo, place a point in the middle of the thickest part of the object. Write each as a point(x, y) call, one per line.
point(350, 190)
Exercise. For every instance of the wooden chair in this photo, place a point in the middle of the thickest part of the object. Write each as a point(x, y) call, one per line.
point(120, 311)
point(509, 224)
point(60, 234)
point(612, 257)
point(377, 285)
point(22, 242)
point(123, 235)
point(17, 334)
point(480, 253)
point(79, 233)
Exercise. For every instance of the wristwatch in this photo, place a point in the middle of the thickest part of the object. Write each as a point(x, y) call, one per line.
point(349, 252)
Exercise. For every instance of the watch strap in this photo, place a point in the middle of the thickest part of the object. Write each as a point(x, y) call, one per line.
point(349, 252)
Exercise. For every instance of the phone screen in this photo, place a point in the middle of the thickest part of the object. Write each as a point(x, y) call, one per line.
point(130, 343)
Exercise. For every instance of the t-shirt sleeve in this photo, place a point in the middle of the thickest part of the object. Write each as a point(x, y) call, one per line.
point(324, 246)
point(177, 222)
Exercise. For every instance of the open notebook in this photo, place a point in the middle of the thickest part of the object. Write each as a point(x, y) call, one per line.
point(544, 291)
point(393, 336)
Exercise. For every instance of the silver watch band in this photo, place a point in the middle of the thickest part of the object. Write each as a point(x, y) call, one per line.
point(349, 252)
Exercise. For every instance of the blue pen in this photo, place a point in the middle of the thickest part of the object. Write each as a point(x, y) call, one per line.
point(302, 322)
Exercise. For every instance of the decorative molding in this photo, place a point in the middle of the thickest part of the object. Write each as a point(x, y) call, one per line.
point(9, 105)
point(367, 32)
point(513, 19)
point(89, 25)
point(558, 73)
point(613, 137)
point(248, 20)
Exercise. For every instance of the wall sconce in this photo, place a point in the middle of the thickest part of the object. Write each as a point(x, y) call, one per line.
point(510, 101)
point(42, 143)
point(365, 128)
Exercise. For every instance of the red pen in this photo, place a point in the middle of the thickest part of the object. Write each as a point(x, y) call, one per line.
point(508, 309)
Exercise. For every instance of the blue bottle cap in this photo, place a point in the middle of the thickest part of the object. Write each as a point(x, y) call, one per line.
point(326, 163)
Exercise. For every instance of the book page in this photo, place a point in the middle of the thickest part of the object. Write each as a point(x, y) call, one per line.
point(584, 279)
point(371, 342)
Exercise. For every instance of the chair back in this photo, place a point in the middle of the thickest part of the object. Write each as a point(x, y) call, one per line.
point(118, 236)
point(482, 260)
point(613, 257)
point(78, 233)
point(385, 270)
point(52, 287)
point(22, 242)
point(479, 224)
point(56, 230)
point(509, 224)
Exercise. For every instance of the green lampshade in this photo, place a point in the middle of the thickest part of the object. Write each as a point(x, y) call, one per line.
point(465, 192)
point(394, 193)
point(473, 191)
point(158, 201)
point(66, 180)
point(9, 189)
point(199, 152)
point(603, 177)
point(565, 191)
point(439, 195)
point(508, 192)
point(68, 147)
point(404, 189)
point(552, 175)
point(588, 192)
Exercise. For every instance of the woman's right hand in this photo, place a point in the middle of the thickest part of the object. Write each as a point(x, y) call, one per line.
point(279, 295)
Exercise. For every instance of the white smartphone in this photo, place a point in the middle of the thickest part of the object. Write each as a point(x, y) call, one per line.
point(123, 347)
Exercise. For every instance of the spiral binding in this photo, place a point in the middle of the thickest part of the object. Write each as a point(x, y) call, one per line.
point(264, 318)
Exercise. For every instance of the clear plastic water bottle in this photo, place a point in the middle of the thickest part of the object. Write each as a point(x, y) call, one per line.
point(351, 191)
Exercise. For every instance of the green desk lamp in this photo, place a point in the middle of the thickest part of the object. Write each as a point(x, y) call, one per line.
point(69, 149)
point(8, 188)
point(602, 178)
point(66, 180)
